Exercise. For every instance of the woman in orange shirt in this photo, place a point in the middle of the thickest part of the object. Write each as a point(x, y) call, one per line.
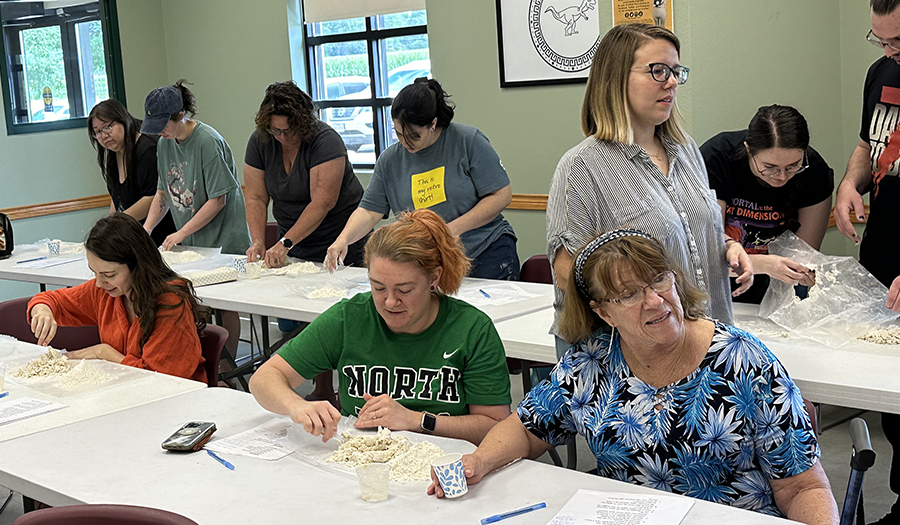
point(148, 317)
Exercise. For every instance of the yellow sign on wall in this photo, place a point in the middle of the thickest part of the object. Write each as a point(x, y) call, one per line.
point(428, 188)
point(654, 12)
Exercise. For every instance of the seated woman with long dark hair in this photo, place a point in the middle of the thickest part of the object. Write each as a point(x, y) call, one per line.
point(148, 316)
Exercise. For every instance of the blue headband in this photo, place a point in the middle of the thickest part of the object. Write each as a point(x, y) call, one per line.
point(592, 247)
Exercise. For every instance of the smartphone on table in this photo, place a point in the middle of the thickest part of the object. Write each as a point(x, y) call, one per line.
point(190, 437)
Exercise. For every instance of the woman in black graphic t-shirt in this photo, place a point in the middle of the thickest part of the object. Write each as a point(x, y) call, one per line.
point(767, 180)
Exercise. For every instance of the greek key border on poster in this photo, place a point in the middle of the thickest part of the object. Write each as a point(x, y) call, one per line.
point(577, 77)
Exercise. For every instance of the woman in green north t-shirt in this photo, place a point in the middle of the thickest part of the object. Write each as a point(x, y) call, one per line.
point(409, 357)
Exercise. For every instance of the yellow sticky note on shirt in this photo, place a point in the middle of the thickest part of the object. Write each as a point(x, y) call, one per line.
point(428, 188)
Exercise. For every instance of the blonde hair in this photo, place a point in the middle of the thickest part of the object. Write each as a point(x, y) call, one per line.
point(422, 238)
point(645, 258)
point(604, 113)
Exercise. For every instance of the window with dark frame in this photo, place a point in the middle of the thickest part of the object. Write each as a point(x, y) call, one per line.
point(346, 58)
point(59, 60)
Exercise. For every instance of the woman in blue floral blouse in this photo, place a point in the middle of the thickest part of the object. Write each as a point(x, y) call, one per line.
point(670, 400)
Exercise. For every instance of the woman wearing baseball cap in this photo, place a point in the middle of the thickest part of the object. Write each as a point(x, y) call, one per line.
point(197, 181)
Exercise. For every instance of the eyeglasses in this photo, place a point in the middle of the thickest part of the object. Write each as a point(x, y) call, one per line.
point(105, 130)
point(661, 72)
point(790, 171)
point(660, 284)
point(275, 132)
point(875, 41)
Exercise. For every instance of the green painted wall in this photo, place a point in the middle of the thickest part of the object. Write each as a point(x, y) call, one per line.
point(742, 55)
point(143, 42)
point(231, 50)
point(807, 53)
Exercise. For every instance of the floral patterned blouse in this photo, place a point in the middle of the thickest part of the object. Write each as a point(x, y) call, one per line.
point(719, 434)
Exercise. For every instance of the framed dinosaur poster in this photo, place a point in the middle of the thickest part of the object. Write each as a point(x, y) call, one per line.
point(546, 41)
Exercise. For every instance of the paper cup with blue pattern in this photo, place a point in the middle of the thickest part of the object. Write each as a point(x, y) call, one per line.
point(53, 247)
point(449, 471)
point(239, 264)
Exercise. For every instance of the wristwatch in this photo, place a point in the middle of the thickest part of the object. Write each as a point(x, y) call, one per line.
point(286, 242)
point(429, 420)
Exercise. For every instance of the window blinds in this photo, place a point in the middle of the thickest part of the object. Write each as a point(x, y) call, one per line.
point(326, 10)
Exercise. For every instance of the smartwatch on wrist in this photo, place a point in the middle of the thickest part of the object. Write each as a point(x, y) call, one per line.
point(286, 242)
point(429, 420)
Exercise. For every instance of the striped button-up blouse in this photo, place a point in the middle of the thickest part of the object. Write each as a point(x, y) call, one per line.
point(600, 186)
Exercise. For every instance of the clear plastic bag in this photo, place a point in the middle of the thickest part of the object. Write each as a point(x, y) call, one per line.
point(846, 301)
point(331, 290)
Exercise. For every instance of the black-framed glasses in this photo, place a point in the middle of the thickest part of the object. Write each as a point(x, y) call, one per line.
point(790, 171)
point(275, 132)
point(105, 130)
point(661, 72)
point(875, 41)
point(660, 284)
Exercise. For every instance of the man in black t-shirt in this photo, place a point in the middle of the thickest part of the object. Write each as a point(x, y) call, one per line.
point(873, 169)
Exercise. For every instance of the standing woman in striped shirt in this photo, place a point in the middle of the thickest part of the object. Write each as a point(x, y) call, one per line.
point(637, 168)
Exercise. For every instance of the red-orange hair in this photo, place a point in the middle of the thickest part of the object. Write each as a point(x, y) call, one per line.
point(422, 238)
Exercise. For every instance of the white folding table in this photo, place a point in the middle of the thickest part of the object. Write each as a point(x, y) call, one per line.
point(857, 375)
point(117, 459)
point(105, 399)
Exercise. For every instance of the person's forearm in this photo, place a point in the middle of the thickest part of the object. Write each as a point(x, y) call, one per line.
point(506, 442)
point(256, 210)
point(158, 209)
point(815, 506)
point(859, 170)
point(273, 391)
point(361, 222)
point(471, 427)
point(484, 211)
point(562, 266)
point(204, 215)
point(141, 208)
point(760, 263)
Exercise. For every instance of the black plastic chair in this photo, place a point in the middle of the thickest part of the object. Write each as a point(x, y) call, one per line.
point(212, 341)
point(861, 460)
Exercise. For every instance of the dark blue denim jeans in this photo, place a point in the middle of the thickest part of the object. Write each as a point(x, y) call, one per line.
point(499, 261)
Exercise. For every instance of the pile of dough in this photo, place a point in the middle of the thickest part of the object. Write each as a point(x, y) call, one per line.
point(883, 336)
point(408, 463)
point(186, 256)
point(50, 363)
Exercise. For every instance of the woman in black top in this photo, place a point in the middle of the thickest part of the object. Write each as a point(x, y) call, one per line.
point(300, 164)
point(767, 180)
point(127, 160)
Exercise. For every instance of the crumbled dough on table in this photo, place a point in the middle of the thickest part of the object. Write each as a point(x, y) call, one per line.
point(361, 450)
point(50, 363)
point(295, 269)
point(84, 373)
point(327, 291)
point(883, 336)
point(415, 465)
point(186, 256)
point(408, 463)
